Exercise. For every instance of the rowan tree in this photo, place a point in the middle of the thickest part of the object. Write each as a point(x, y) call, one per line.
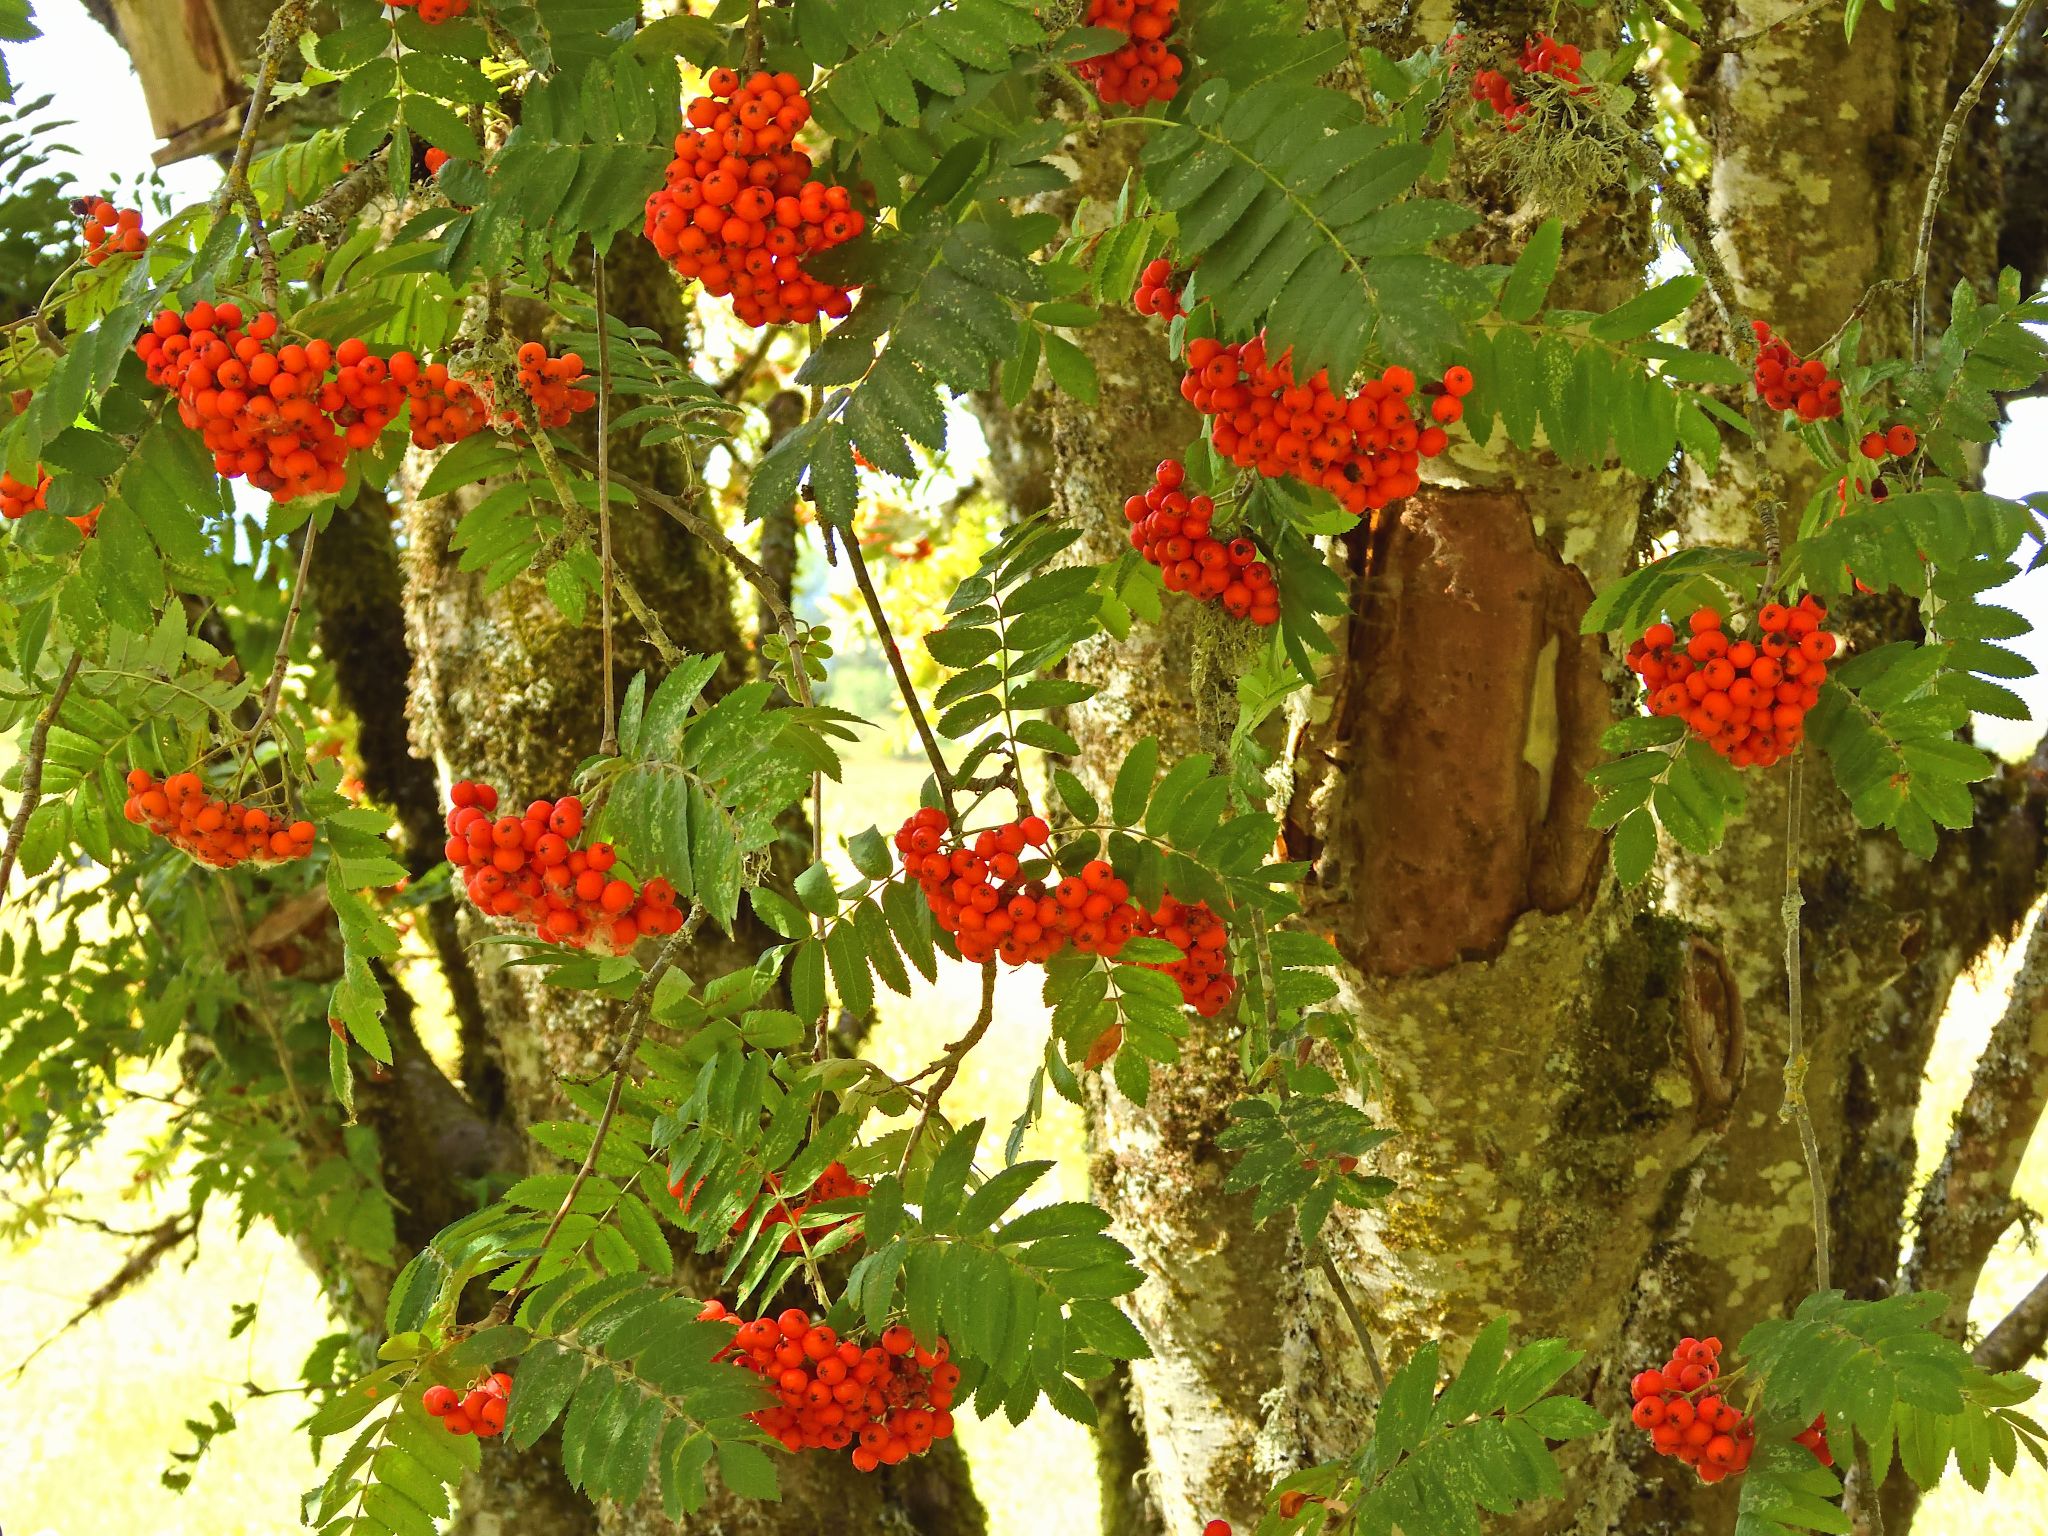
point(1468, 715)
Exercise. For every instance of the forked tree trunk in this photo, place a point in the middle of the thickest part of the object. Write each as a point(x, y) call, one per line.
point(1585, 1083)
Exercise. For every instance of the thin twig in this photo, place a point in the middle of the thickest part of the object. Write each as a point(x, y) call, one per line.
point(259, 996)
point(734, 384)
point(948, 1065)
point(1372, 1354)
point(2019, 1335)
point(639, 1007)
point(273, 689)
point(282, 31)
point(755, 37)
point(32, 770)
point(609, 746)
point(1795, 1107)
point(573, 525)
point(750, 571)
point(1937, 183)
point(329, 217)
point(266, 257)
point(904, 687)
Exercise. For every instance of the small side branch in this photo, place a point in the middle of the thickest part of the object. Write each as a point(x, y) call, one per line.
point(32, 770)
point(1944, 158)
point(609, 746)
point(948, 1065)
point(750, 571)
point(1712, 49)
point(279, 37)
point(901, 673)
point(639, 1008)
point(2020, 1334)
point(1795, 1107)
point(273, 689)
point(1344, 1300)
point(1968, 1202)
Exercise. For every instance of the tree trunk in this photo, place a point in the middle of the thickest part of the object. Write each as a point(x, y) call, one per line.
point(1585, 1083)
point(450, 681)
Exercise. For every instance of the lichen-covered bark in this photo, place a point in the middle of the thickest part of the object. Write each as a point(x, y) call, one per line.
point(1585, 1084)
point(506, 690)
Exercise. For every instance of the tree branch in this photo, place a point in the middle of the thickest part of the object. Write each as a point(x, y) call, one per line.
point(1795, 1107)
point(901, 673)
point(750, 571)
point(638, 1009)
point(32, 771)
point(1937, 183)
point(1968, 1202)
point(948, 1066)
point(2019, 1336)
point(279, 36)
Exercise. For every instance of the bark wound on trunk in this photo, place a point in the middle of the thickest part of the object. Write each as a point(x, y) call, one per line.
point(1471, 708)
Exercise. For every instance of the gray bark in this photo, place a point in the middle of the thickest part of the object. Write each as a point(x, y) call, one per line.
point(1585, 1083)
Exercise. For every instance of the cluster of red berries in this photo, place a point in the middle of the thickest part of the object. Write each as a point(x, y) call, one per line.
point(1144, 69)
point(526, 870)
point(1206, 984)
point(1217, 1528)
point(219, 833)
point(1364, 448)
point(1786, 383)
point(445, 409)
point(18, 499)
point(1708, 1434)
point(111, 231)
point(254, 398)
point(1747, 699)
point(286, 416)
point(1703, 1430)
point(1156, 293)
point(479, 1411)
point(1541, 55)
point(433, 12)
point(835, 1183)
point(740, 210)
point(555, 385)
point(976, 894)
point(1171, 529)
point(1545, 55)
point(1494, 87)
point(1901, 442)
point(888, 1402)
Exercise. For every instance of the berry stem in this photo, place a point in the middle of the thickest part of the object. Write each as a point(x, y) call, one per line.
point(274, 688)
point(279, 37)
point(948, 1065)
point(1795, 1107)
point(259, 236)
point(609, 745)
point(755, 37)
point(638, 1010)
point(1944, 157)
point(904, 686)
point(1372, 1355)
point(703, 528)
point(32, 770)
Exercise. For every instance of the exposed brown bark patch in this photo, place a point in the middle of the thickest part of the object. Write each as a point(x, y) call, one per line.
point(1471, 709)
